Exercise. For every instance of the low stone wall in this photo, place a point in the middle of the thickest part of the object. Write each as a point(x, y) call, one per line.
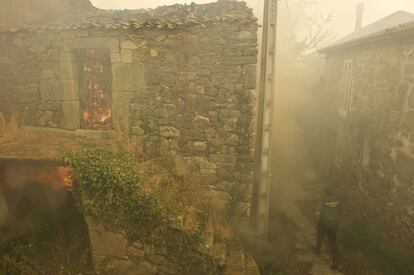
point(113, 251)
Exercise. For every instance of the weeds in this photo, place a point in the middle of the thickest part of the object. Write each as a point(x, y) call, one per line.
point(381, 255)
point(48, 250)
point(9, 130)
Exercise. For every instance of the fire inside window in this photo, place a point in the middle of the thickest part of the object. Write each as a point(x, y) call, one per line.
point(95, 82)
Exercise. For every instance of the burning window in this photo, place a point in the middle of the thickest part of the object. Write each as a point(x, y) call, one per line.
point(95, 82)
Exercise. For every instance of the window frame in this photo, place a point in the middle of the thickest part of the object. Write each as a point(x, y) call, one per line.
point(346, 89)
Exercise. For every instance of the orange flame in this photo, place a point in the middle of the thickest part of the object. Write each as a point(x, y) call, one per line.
point(57, 177)
point(65, 173)
point(105, 117)
point(85, 116)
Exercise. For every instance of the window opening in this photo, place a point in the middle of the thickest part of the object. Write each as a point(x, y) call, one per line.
point(346, 89)
point(95, 82)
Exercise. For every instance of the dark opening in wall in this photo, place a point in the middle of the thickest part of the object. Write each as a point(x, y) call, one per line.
point(41, 229)
point(95, 88)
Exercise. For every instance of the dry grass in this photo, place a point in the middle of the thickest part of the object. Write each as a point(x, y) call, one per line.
point(42, 143)
point(121, 126)
point(9, 130)
point(20, 142)
point(12, 133)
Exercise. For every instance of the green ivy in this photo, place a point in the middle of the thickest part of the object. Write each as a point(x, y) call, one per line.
point(108, 186)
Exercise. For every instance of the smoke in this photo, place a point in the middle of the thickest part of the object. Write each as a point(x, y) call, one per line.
point(28, 193)
point(4, 209)
point(17, 12)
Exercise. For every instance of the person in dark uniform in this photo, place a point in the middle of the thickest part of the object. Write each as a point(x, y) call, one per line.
point(329, 216)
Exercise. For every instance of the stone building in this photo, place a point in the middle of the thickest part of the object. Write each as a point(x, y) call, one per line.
point(180, 79)
point(369, 123)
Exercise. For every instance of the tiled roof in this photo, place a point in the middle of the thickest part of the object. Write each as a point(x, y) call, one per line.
point(396, 22)
point(166, 17)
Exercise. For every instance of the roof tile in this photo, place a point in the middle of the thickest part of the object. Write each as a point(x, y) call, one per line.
point(168, 17)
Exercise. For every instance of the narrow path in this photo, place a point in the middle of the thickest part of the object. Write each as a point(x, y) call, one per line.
point(287, 198)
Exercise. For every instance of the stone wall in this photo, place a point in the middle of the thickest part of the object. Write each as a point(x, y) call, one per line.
point(374, 149)
point(112, 251)
point(198, 101)
point(184, 93)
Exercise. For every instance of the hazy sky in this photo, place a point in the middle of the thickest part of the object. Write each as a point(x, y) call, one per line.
point(343, 10)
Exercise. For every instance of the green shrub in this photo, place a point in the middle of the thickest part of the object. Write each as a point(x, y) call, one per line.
point(108, 186)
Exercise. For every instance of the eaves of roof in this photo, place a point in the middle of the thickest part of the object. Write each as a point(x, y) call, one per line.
point(395, 34)
point(167, 17)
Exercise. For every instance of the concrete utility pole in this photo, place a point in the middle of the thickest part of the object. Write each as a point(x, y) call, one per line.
point(263, 177)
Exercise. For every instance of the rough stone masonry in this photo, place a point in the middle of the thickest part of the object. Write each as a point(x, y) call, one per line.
point(183, 82)
point(374, 143)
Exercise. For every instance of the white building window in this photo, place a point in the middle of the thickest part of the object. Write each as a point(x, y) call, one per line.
point(346, 88)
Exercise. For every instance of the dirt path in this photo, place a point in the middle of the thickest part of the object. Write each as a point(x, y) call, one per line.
point(293, 232)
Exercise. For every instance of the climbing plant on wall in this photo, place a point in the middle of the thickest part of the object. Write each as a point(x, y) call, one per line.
point(108, 186)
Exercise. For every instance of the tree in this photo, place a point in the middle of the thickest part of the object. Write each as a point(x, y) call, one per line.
point(306, 30)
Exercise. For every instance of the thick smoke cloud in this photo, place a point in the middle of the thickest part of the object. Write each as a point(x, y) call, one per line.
point(27, 191)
